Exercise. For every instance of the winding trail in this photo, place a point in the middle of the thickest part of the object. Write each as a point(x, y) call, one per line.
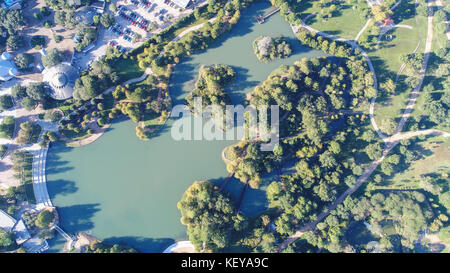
point(369, 63)
point(390, 142)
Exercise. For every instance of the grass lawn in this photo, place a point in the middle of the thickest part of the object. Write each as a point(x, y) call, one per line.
point(127, 69)
point(346, 23)
point(436, 158)
point(386, 61)
point(28, 182)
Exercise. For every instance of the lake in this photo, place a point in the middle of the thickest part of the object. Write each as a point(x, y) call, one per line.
point(122, 189)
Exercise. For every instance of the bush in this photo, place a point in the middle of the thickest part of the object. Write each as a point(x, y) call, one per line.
point(37, 42)
point(52, 58)
point(57, 38)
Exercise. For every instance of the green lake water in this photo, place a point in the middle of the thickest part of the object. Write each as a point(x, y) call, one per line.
point(121, 189)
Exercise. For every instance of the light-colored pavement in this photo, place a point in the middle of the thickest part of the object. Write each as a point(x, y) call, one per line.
point(39, 166)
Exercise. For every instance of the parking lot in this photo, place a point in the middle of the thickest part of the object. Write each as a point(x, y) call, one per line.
point(143, 17)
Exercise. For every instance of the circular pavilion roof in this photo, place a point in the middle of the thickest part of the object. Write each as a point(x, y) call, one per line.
point(6, 56)
point(61, 78)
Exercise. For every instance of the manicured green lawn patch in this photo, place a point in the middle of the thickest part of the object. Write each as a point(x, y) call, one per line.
point(127, 69)
point(386, 59)
point(346, 24)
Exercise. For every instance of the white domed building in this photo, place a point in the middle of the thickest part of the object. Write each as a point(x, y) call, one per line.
point(61, 79)
point(8, 69)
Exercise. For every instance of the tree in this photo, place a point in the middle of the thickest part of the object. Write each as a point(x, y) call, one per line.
point(112, 7)
point(25, 133)
point(37, 91)
point(44, 219)
point(107, 20)
point(53, 116)
point(6, 239)
point(29, 103)
point(6, 102)
point(52, 58)
point(23, 60)
point(388, 126)
point(15, 42)
point(12, 19)
point(18, 91)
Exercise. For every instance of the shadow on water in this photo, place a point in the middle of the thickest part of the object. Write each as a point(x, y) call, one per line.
point(141, 244)
point(78, 218)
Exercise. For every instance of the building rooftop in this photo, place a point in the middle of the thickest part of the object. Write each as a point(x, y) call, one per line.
point(181, 3)
point(7, 222)
point(61, 79)
point(21, 232)
point(7, 67)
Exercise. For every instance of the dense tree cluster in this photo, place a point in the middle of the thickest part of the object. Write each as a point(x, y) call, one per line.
point(12, 19)
point(267, 48)
point(66, 19)
point(310, 95)
point(209, 215)
point(30, 95)
point(404, 211)
point(98, 79)
point(210, 86)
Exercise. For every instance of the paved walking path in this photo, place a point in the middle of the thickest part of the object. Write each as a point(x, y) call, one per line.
point(39, 166)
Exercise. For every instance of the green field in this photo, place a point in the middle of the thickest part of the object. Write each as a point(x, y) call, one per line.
point(346, 24)
point(386, 61)
point(127, 69)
